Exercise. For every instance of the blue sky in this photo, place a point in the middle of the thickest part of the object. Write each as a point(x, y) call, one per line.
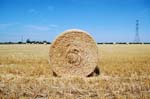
point(105, 20)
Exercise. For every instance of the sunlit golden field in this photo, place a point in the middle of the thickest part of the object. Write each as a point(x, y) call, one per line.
point(26, 73)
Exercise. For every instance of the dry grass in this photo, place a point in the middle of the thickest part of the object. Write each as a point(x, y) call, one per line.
point(25, 73)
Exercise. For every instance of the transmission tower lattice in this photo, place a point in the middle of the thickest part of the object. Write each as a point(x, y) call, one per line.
point(137, 37)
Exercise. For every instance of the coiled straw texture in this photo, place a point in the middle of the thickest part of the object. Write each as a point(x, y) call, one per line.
point(73, 53)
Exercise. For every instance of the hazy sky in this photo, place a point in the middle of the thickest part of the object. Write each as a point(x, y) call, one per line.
point(105, 20)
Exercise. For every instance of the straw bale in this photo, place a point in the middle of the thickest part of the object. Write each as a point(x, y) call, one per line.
point(73, 53)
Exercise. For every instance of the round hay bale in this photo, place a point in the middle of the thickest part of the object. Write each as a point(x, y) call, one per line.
point(73, 53)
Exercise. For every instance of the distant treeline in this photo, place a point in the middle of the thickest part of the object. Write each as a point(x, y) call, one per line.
point(34, 42)
point(28, 41)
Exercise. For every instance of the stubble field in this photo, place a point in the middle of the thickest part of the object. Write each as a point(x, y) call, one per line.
point(25, 73)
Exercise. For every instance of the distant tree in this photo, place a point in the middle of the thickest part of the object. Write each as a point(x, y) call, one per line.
point(9, 42)
point(28, 41)
point(48, 42)
point(33, 42)
point(20, 42)
point(146, 42)
point(44, 41)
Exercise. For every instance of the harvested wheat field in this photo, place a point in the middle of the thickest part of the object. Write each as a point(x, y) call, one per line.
point(25, 73)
